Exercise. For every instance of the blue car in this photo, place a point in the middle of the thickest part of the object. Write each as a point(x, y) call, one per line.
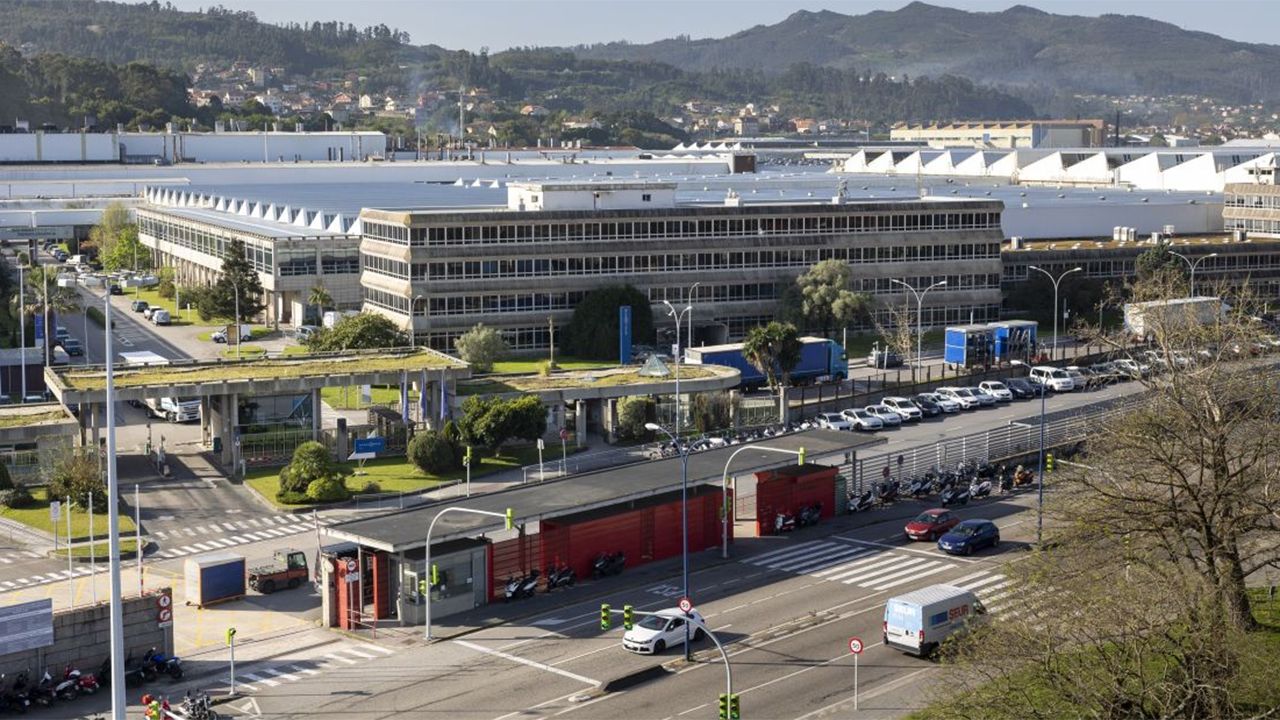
point(968, 536)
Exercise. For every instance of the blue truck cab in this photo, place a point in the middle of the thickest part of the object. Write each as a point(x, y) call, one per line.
point(819, 358)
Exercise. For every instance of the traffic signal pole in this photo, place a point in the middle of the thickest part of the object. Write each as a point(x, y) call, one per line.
point(507, 517)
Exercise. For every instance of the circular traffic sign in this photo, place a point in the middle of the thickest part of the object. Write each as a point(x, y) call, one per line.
point(855, 645)
point(166, 615)
point(351, 566)
point(564, 434)
point(164, 601)
point(685, 605)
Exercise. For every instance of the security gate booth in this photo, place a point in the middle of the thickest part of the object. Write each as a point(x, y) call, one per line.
point(787, 489)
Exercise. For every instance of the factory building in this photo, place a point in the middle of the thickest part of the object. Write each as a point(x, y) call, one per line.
point(1007, 134)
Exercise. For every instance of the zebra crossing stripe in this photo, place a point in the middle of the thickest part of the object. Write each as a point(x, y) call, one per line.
point(341, 659)
point(960, 582)
point(283, 519)
point(259, 679)
point(859, 565)
point(827, 561)
point(204, 546)
point(357, 653)
point(238, 539)
point(189, 532)
point(255, 522)
point(202, 529)
point(376, 648)
point(873, 570)
point(804, 556)
point(281, 674)
point(974, 586)
point(924, 571)
point(6, 561)
point(764, 559)
point(230, 527)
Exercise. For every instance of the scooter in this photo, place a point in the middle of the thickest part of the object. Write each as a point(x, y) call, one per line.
point(197, 707)
point(809, 515)
point(169, 664)
point(519, 586)
point(887, 492)
point(862, 502)
point(1023, 477)
point(42, 693)
point(529, 585)
point(15, 697)
point(564, 576)
point(958, 495)
point(608, 564)
point(783, 523)
point(980, 489)
point(86, 684)
point(66, 689)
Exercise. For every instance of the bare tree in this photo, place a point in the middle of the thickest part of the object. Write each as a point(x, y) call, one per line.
point(899, 331)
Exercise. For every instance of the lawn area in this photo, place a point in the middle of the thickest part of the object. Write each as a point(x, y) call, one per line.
point(246, 352)
point(348, 398)
point(606, 377)
point(38, 517)
point(152, 296)
point(100, 549)
point(399, 475)
point(295, 350)
point(534, 365)
point(19, 419)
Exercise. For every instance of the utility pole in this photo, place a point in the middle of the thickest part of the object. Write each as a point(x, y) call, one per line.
point(551, 325)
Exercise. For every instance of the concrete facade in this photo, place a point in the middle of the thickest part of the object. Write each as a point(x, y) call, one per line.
point(1002, 134)
point(82, 638)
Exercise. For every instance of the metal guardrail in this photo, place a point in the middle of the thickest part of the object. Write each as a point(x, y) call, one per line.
point(1008, 441)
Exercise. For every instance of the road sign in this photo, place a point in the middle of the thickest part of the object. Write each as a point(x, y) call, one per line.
point(371, 445)
point(164, 608)
point(541, 445)
point(564, 434)
point(685, 605)
point(855, 645)
point(55, 510)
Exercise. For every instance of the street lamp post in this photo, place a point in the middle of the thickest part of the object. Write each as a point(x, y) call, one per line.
point(684, 513)
point(919, 316)
point(695, 287)
point(1040, 474)
point(22, 328)
point(413, 334)
point(239, 339)
point(119, 707)
point(1193, 266)
point(724, 487)
point(426, 597)
point(1055, 281)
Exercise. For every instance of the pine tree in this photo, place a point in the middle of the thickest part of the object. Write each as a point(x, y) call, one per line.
point(238, 276)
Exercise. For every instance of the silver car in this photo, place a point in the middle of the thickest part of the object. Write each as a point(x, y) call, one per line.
point(886, 414)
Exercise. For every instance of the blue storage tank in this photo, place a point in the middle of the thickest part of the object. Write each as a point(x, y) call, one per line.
point(214, 577)
point(969, 345)
point(1016, 340)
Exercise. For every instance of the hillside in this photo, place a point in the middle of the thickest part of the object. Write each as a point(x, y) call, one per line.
point(1021, 46)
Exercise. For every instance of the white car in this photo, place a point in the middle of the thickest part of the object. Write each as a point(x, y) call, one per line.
point(985, 399)
point(885, 413)
point(944, 403)
point(833, 421)
point(1056, 379)
point(960, 395)
point(862, 420)
point(909, 411)
point(664, 629)
point(996, 389)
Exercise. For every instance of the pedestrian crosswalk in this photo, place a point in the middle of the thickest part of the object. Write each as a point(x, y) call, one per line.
point(997, 592)
point(37, 579)
point(209, 536)
point(18, 556)
point(861, 565)
point(268, 674)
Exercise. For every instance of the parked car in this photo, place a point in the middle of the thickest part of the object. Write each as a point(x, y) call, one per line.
point(1080, 380)
point(139, 306)
point(833, 421)
point(904, 407)
point(985, 399)
point(928, 406)
point(220, 336)
point(60, 334)
point(304, 332)
point(1131, 369)
point(1056, 379)
point(1021, 388)
point(944, 403)
point(996, 389)
point(883, 359)
point(968, 536)
point(886, 414)
point(115, 289)
point(961, 396)
point(657, 632)
point(73, 347)
point(160, 316)
point(931, 524)
point(862, 420)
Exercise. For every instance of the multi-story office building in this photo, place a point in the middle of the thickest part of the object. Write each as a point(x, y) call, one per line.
point(1254, 208)
point(514, 267)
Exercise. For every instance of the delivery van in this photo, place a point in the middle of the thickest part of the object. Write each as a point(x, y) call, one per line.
point(916, 623)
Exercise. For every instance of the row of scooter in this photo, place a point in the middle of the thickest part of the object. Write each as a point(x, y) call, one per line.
point(970, 480)
point(807, 515)
point(19, 696)
point(562, 576)
point(669, 449)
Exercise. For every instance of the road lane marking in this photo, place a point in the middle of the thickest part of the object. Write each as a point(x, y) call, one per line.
point(912, 577)
point(526, 661)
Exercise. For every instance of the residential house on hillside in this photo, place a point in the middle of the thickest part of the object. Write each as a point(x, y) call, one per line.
point(534, 111)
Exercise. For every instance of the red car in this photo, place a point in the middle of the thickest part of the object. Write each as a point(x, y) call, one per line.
point(931, 524)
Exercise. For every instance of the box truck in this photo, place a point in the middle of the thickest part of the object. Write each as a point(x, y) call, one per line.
point(214, 577)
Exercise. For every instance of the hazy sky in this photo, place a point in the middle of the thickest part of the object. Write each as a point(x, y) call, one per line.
point(500, 24)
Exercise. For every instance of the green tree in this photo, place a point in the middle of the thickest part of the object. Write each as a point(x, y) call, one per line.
point(166, 288)
point(311, 461)
point(633, 412)
point(433, 453)
point(593, 330)
point(774, 350)
point(112, 224)
point(490, 421)
point(125, 252)
point(238, 279)
point(319, 297)
point(6, 482)
point(1157, 262)
point(482, 346)
point(363, 331)
point(825, 298)
point(76, 475)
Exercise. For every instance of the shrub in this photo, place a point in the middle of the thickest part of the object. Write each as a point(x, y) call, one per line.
point(76, 476)
point(633, 412)
point(546, 367)
point(17, 498)
point(482, 346)
point(371, 486)
point(6, 482)
point(432, 453)
point(292, 498)
point(328, 489)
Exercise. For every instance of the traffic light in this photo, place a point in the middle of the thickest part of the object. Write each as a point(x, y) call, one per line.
point(1048, 462)
point(628, 616)
point(435, 574)
point(724, 706)
point(510, 518)
point(801, 456)
point(231, 635)
point(606, 621)
point(422, 587)
point(466, 457)
point(735, 710)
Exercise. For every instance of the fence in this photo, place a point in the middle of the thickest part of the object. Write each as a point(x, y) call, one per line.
point(1017, 438)
point(275, 447)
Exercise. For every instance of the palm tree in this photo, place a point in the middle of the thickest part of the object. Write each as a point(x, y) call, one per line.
point(321, 298)
point(774, 350)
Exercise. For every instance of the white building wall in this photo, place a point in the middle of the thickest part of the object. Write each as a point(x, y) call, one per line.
point(58, 147)
point(1047, 220)
point(534, 196)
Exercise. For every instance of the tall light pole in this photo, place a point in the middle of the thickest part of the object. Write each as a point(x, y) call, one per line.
point(919, 316)
point(684, 468)
point(695, 287)
point(119, 706)
point(1040, 474)
point(1193, 266)
point(413, 334)
point(239, 338)
point(22, 327)
point(724, 486)
point(1055, 281)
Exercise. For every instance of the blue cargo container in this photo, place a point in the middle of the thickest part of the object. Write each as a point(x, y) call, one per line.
point(969, 345)
point(818, 358)
point(214, 577)
point(1016, 340)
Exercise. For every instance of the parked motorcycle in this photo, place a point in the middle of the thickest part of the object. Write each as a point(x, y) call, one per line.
point(522, 587)
point(958, 495)
point(887, 492)
point(68, 688)
point(197, 707)
point(980, 489)
point(564, 576)
point(863, 502)
point(809, 515)
point(42, 692)
point(171, 665)
point(14, 697)
point(86, 684)
point(920, 487)
point(783, 523)
point(608, 564)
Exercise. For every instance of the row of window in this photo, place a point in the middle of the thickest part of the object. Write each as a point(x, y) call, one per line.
point(1256, 225)
point(525, 232)
point(393, 268)
point(1124, 268)
point(266, 256)
point(1268, 200)
point(886, 286)
point(723, 260)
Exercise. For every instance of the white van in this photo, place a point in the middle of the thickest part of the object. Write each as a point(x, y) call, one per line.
point(916, 623)
point(1056, 379)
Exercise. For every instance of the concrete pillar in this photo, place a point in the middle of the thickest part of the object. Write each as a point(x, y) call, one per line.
point(206, 421)
point(433, 405)
point(580, 418)
point(733, 409)
point(316, 406)
point(399, 589)
point(784, 405)
point(98, 414)
point(609, 419)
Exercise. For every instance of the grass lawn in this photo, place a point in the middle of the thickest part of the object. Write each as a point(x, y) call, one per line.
point(295, 350)
point(246, 352)
point(38, 517)
point(24, 419)
point(534, 365)
point(348, 398)
point(152, 296)
point(399, 475)
point(100, 550)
